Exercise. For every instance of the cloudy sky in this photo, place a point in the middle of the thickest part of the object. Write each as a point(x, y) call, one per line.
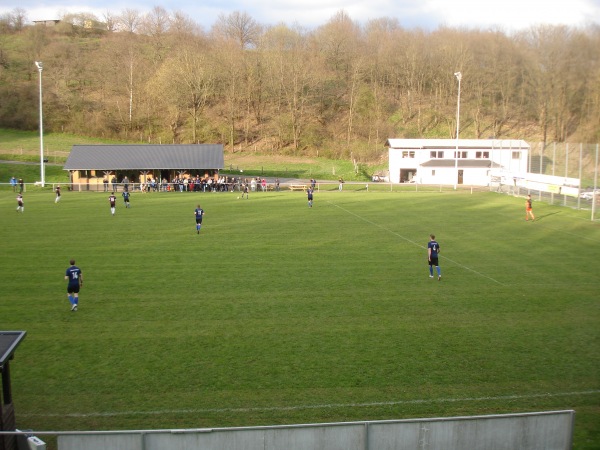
point(507, 15)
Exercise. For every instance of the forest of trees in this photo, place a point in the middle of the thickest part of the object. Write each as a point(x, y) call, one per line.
point(338, 90)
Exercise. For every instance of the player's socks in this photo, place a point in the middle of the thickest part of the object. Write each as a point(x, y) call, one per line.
point(439, 271)
point(71, 299)
point(431, 270)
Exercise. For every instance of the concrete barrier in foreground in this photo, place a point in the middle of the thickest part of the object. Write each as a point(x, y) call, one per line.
point(551, 430)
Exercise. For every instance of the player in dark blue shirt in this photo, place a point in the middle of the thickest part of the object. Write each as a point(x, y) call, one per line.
point(199, 213)
point(433, 249)
point(125, 195)
point(75, 278)
point(309, 193)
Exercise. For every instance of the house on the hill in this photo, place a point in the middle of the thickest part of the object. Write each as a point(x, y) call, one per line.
point(89, 165)
point(47, 22)
point(452, 162)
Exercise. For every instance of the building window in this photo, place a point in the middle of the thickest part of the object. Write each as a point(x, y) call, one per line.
point(516, 155)
point(408, 154)
point(460, 154)
point(485, 155)
point(433, 173)
point(436, 154)
point(85, 174)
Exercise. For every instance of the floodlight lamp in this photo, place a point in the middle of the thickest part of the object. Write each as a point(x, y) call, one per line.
point(38, 64)
point(458, 75)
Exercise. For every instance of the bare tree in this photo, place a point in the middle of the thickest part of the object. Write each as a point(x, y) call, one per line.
point(292, 78)
point(155, 24)
point(15, 20)
point(182, 26)
point(129, 20)
point(239, 27)
point(110, 21)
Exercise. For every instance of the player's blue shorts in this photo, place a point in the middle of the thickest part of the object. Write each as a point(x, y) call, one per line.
point(434, 261)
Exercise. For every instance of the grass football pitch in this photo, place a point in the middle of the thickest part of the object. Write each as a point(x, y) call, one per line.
point(278, 313)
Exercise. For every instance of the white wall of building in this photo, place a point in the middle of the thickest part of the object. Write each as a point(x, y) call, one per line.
point(476, 159)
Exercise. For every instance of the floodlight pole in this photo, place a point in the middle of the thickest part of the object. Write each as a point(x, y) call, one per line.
point(39, 66)
point(458, 76)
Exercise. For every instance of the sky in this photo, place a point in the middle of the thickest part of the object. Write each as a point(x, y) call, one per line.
point(505, 15)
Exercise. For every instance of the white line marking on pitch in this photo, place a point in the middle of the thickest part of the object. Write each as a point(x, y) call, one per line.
point(415, 243)
point(325, 406)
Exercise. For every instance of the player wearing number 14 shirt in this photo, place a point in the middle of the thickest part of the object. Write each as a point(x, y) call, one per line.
point(433, 249)
point(75, 279)
point(199, 214)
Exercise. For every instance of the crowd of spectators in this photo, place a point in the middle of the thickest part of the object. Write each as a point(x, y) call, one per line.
point(204, 184)
point(192, 184)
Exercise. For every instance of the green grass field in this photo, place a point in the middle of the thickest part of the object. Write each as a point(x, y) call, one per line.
point(277, 313)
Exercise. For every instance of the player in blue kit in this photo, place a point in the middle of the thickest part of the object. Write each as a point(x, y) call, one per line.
point(125, 195)
point(199, 213)
point(433, 249)
point(309, 193)
point(75, 278)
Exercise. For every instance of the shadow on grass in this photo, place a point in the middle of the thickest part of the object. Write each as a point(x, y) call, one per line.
point(538, 218)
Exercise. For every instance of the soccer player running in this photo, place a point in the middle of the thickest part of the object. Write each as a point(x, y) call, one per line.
point(113, 203)
point(199, 213)
point(57, 194)
point(433, 249)
point(529, 209)
point(20, 207)
point(75, 278)
point(309, 193)
point(125, 195)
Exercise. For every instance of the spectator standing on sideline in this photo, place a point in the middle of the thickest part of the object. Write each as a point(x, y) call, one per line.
point(341, 186)
point(21, 185)
point(20, 207)
point(263, 184)
point(13, 184)
point(433, 249)
point(105, 183)
point(113, 203)
point(75, 278)
point(309, 193)
point(125, 195)
point(114, 183)
point(529, 209)
point(57, 199)
point(277, 184)
point(199, 213)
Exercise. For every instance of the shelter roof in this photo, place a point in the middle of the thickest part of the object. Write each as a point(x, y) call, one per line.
point(9, 341)
point(449, 144)
point(145, 156)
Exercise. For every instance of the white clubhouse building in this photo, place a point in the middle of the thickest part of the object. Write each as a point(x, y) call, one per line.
point(452, 161)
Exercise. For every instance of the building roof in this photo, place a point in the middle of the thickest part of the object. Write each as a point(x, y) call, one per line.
point(472, 163)
point(144, 156)
point(449, 144)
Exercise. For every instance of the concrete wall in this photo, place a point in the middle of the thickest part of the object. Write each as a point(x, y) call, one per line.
point(532, 431)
